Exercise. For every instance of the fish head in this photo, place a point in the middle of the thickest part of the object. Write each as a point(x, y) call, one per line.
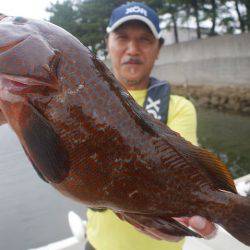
point(38, 57)
point(39, 64)
point(27, 61)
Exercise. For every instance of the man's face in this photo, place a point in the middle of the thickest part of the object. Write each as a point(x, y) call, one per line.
point(133, 50)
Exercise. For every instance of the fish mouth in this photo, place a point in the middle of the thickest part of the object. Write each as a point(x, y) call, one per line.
point(14, 83)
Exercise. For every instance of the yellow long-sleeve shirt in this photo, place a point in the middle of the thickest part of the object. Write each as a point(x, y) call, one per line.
point(104, 230)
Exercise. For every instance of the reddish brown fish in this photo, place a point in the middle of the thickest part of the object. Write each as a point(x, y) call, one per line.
point(87, 137)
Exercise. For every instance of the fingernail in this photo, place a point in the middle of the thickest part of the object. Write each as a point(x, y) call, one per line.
point(212, 235)
point(199, 222)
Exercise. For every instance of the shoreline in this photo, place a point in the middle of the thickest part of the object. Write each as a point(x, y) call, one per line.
point(230, 98)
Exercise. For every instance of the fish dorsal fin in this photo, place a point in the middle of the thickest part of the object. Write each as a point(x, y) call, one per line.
point(206, 161)
point(215, 168)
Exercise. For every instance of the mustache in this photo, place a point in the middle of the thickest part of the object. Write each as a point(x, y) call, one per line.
point(132, 59)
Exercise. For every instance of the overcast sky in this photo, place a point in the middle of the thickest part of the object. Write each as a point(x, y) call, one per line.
point(27, 8)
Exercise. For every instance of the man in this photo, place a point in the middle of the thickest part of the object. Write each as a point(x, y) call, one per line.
point(134, 44)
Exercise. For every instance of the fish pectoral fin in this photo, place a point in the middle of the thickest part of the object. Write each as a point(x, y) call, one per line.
point(43, 146)
point(216, 170)
point(164, 225)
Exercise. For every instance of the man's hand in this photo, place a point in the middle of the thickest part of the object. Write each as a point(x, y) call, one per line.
point(202, 226)
point(198, 223)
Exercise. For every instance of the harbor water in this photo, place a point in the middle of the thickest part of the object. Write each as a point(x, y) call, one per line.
point(227, 135)
point(33, 214)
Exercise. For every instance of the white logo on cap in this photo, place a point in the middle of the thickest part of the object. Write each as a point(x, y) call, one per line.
point(136, 9)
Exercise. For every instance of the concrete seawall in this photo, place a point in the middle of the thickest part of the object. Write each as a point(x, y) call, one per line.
point(222, 60)
point(213, 72)
point(226, 98)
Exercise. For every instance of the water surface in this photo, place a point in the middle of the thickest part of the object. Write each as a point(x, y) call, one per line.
point(228, 135)
point(32, 213)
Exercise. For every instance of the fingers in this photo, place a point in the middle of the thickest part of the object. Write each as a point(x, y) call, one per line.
point(203, 226)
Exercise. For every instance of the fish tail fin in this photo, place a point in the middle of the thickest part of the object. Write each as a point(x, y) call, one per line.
point(238, 221)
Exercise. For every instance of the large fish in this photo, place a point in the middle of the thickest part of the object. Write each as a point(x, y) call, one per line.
point(87, 137)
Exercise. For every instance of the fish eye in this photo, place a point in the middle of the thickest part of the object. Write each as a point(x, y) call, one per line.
point(20, 20)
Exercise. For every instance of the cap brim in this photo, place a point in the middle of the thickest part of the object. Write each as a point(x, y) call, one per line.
point(135, 17)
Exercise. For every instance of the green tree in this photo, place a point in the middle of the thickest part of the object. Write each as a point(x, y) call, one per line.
point(227, 19)
point(246, 18)
point(214, 17)
point(240, 17)
point(210, 9)
point(171, 7)
point(195, 6)
point(243, 16)
point(88, 19)
point(65, 16)
point(94, 16)
point(191, 7)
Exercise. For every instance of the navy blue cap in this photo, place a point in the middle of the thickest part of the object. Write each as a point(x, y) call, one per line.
point(135, 11)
